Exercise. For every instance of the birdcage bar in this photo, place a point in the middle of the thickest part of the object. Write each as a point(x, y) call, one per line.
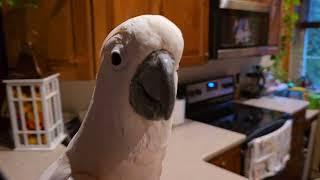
point(36, 113)
point(22, 115)
point(45, 113)
point(13, 115)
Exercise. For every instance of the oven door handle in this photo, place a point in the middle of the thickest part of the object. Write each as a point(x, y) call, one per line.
point(266, 129)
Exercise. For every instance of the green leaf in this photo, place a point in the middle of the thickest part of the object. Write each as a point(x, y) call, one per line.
point(296, 2)
point(295, 17)
point(11, 2)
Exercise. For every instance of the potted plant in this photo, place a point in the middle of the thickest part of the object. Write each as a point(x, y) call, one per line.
point(289, 19)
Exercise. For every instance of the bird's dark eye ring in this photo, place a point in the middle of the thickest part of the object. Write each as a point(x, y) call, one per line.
point(116, 58)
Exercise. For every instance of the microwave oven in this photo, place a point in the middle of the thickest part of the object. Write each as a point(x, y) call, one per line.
point(239, 28)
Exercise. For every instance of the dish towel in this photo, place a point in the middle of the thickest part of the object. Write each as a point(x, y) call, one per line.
point(268, 154)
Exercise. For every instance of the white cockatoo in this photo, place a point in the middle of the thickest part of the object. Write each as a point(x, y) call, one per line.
point(125, 132)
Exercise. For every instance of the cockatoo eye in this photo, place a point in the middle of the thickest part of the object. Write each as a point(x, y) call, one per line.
point(117, 60)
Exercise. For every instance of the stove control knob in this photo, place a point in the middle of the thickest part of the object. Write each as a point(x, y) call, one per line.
point(198, 92)
point(226, 85)
point(192, 93)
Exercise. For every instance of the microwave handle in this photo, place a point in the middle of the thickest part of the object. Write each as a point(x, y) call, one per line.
point(214, 28)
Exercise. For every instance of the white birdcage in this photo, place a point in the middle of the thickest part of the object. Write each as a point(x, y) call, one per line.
point(35, 113)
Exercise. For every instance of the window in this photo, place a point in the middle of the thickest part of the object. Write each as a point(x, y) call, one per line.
point(311, 52)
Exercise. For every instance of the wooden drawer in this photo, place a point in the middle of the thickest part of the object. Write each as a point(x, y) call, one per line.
point(230, 160)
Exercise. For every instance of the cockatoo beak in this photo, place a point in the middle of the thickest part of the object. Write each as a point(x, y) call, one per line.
point(152, 89)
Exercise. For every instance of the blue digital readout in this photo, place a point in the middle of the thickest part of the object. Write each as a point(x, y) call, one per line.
point(211, 85)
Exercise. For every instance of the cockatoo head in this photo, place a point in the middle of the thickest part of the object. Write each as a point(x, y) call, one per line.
point(139, 66)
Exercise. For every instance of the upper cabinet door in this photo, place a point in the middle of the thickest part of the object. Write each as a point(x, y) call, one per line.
point(126, 9)
point(192, 17)
point(275, 23)
point(61, 35)
point(108, 14)
point(69, 34)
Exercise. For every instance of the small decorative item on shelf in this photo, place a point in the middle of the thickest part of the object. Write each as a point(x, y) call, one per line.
point(27, 66)
point(35, 112)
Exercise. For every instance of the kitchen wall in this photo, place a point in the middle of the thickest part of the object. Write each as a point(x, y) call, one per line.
point(296, 59)
point(216, 68)
point(76, 95)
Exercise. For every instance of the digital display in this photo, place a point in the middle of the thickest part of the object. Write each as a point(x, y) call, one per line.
point(211, 85)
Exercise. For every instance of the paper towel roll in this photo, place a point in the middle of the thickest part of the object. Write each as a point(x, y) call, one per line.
point(178, 114)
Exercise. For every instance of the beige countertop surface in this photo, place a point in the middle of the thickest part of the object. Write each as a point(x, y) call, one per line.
point(276, 103)
point(189, 146)
point(26, 165)
point(312, 113)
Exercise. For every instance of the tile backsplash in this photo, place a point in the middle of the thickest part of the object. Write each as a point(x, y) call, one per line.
point(76, 95)
point(216, 68)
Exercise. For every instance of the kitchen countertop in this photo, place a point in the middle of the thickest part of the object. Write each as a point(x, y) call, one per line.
point(276, 103)
point(26, 165)
point(190, 145)
point(312, 113)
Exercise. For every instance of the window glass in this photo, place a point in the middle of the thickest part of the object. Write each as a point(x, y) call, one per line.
point(314, 10)
point(312, 42)
point(311, 56)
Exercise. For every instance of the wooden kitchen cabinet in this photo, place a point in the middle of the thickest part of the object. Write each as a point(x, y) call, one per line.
point(192, 17)
point(126, 9)
point(229, 160)
point(70, 35)
point(80, 65)
point(61, 33)
point(189, 15)
point(109, 14)
point(274, 23)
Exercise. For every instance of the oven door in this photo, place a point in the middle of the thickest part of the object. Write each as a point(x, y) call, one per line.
point(268, 150)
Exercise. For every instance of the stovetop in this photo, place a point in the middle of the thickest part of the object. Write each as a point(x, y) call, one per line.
point(212, 102)
point(237, 117)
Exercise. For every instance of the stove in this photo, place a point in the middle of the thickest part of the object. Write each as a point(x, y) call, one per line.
point(212, 102)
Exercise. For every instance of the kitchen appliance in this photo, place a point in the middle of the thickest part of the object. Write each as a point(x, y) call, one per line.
point(178, 113)
point(241, 28)
point(212, 102)
point(255, 83)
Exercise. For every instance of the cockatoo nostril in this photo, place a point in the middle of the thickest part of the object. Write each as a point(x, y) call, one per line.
point(152, 90)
